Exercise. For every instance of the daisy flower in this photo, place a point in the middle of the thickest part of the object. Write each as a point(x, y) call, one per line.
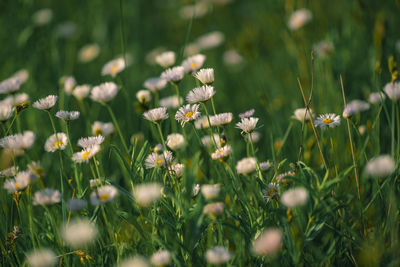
point(393, 91)
point(205, 76)
point(207, 141)
point(76, 204)
point(136, 261)
point(200, 94)
point(6, 111)
point(156, 114)
point(42, 257)
point(42, 16)
point(174, 74)
point(177, 169)
point(299, 18)
point(56, 142)
point(171, 101)
point(354, 107)
point(143, 96)
point(155, 84)
point(222, 153)
point(161, 258)
point(104, 92)
point(193, 63)
point(210, 191)
point(46, 196)
point(88, 52)
point(218, 255)
point(18, 141)
point(69, 83)
point(264, 166)
point(247, 114)
point(187, 113)
point(103, 194)
point(294, 197)
point(85, 142)
point(268, 243)
point(271, 192)
point(202, 123)
point(10, 85)
point(68, 115)
point(9, 172)
point(102, 128)
point(210, 40)
point(45, 103)
point(175, 141)
point(255, 137)
point(221, 119)
point(86, 154)
point(214, 209)
point(81, 91)
point(232, 57)
point(247, 125)
point(79, 233)
point(154, 159)
point(376, 98)
point(113, 67)
point(166, 59)
point(301, 114)
point(381, 166)
point(246, 165)
point(20, 182)
point(145, 194)
point(323, 48)
point(327, 120)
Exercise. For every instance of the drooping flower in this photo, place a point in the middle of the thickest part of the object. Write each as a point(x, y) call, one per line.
point(6, 111)
point(200, 94)
point(69, 83)
point(218, 255)
point(76, 204)
point(193, 63)
point(45, 103)
point(327, 120)
point(104, 92)
point(202, 122)
point(156, 114)
point(68, 115)
point(187, 113)
point(103, 194)
point(302, 114)
point(55, 142)
point(145, 194)
point(102, 128)
point(294, 197)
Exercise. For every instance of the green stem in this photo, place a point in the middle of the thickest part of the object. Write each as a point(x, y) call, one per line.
point(254, 155)
point(213, 106)
point(78, 183)
point(209, 124)
point(118, 129)
point(11, 124)
point(177, 93)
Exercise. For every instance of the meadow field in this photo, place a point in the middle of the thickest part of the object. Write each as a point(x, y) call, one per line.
point(199, 133)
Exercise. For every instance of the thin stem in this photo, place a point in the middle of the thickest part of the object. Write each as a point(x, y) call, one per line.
point(254, 155)
point(161, 135)
point(118, 129)
point(209, 124)
point(11, 124)
point(177, 93)
point(78, 183)
point(351, 141)
point(213, 106)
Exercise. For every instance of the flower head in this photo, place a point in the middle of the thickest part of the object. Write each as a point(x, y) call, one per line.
point(86, 154)
point(222, 153)
point(207, 141)
point(299, 18)
point(47, 196)
point(381, 166)
point(45, 103)
point(210, 191)
point(18, 141)
point(155, 84)
point(113, 67)
point(187, 113)
point(193, 63)
point(76, 204)
point(376, 98)
point(41, 258)
point(156, 114)
point(221, 119)
point(79, 233)
point(154, 159)
point(205, 76)
point(171, 101)
point(247, 114)
point(103, 194)
point(161, 258)
point(143, 96)
point(200, 94)
point(177, 169)
point(246, 165)
point(10, 85)
point(85, 142)
point(294, 197)
point(137, 261)
point(210, 40)
point(68, 115)
point(247, 125)
point(81, 91)
point(268, 243)
point(354, 107)
point(327, 120)
point(175, 141)
point(202, 122)
point(145, 194)
point(55, 142)
point(6, 111)
point(88, 52)
point(393, 91)
point(104, 92)
point(174, 74)
point(214, 209)
point(102, 128)
point(301, 114)
point(69, 83)
point(218, 255)
point(166, 59)
point(271, 192)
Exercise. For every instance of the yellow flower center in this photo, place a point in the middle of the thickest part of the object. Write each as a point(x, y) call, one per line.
point(159, 161)
point(189, 114)
point(98, 132)
point(86, 155)
point(17, 185)
point(58, 144)
point(327, 120)
point(114, 69)
point(104, 197)
point(271, 191)
point(193, 65)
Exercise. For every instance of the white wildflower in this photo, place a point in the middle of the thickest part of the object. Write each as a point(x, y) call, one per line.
point(187, 113)
point(79, 233)
point(145, 194)
point(294, 197)
point(103, 194)
point(56, 142)
point(104, 92)
point(45, 103)
point(47, 196)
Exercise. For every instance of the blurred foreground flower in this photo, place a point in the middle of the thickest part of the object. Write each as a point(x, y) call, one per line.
point(299, 18)
point(218, 255)
point(294, 197)
point(380, 167)
point(145, 194)
point(79, 233)
point(103, 194)
point(47, 196)
point(268, 243)
point(41, 258)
